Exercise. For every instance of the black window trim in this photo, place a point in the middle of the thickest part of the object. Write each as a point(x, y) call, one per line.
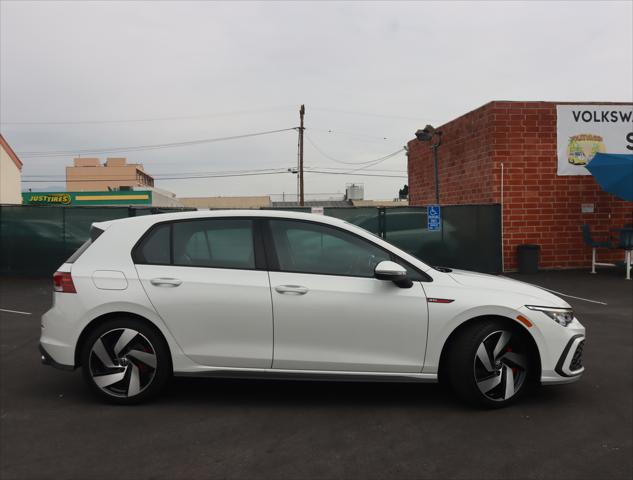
point(94, 233)
point(273, 260)
point(256, 232)
point(265, 253)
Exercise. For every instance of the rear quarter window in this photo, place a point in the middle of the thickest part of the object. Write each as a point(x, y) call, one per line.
point(154, 248)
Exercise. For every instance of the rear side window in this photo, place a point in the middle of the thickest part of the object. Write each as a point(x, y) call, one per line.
point(211, 243)
point(154, 249)
point(216, 243)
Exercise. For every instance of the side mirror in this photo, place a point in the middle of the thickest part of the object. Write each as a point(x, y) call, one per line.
point(391, 271)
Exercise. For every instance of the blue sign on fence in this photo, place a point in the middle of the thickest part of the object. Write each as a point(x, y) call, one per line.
point(434, 218)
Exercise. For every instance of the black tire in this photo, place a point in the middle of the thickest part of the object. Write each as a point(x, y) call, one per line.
point(508, 374)
point(129, 349)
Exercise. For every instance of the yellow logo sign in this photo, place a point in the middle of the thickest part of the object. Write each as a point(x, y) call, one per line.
point(582, 148)
point(55, 198)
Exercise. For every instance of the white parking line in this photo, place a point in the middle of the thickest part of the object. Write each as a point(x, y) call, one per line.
point(571, 296)
point(559, 293)
point(14, 311)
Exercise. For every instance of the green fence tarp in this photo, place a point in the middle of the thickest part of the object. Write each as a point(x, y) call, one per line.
point(36, 240)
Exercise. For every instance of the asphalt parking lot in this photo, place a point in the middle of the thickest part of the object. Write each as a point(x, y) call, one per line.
point(52, 427)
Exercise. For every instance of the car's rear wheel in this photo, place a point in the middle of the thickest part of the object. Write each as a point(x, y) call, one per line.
point(489, 364)
point(125, 361)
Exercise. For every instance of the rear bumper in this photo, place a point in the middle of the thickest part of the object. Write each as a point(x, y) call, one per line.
point(48, 360)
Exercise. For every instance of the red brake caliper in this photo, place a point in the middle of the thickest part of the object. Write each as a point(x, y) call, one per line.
point(141, 366)
point(514, 369)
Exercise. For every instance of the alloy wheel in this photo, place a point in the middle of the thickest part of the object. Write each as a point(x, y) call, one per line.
point(122, 362)
point(500, 365)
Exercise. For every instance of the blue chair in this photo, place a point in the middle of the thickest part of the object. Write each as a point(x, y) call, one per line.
point(589, 241)
point(626, 243)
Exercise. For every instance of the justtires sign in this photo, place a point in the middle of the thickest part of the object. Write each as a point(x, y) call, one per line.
point(584, 130)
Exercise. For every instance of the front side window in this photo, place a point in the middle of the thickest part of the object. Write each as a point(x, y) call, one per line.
point(216, 243)
point(306, 247)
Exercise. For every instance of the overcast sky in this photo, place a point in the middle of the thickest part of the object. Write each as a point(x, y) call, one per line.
point(370, 74)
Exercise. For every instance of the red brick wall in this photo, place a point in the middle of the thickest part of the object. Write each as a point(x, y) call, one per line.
point(539, 206)
point(465, 163)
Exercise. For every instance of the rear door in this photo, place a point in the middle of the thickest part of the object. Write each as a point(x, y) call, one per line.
point(207, 280)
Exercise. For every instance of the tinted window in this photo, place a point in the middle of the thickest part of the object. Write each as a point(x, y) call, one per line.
point(155, 247)
point(312, 248)
point(219, 243)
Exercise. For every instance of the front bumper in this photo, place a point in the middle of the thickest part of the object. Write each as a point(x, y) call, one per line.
point(560, 348)
point(566, 366)
point(570, 362)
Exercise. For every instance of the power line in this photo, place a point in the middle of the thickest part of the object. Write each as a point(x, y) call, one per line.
point(201, 116)
point(380, 160)
point(158, 175)
point(144, 120)
point(329, 157)
point(219, 175)
point(190, 175)
point(164, 178)
point(169, 176)
point(367, 114)
point(136, 148)
point(347, 169)
point(357, 174)
point(363, 136)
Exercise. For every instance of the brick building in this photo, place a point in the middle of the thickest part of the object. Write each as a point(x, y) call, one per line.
point(518, 139)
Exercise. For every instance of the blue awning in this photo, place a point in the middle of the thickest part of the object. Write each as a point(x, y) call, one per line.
point(614, 173)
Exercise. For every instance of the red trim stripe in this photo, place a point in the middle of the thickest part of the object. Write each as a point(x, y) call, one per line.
point(440, 300)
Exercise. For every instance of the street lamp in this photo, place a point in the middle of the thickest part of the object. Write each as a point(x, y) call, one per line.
point(426, 135)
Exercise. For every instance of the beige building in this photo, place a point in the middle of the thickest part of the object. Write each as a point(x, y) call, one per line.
point(89, 174)
point(10, 174)
point(226, 202)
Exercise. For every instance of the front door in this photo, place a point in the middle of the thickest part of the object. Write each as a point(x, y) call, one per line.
point(330, 313)
point(206, 286)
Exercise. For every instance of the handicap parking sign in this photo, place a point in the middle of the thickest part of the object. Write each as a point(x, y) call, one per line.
point(433, 218)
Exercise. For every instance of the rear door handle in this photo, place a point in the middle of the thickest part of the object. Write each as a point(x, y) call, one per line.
point(291, 289)
point(165, 282)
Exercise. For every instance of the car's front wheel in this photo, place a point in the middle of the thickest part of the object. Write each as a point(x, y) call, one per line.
point(125, 361)
point(489, 364)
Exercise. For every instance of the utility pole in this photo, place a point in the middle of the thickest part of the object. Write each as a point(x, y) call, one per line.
point(302, 112)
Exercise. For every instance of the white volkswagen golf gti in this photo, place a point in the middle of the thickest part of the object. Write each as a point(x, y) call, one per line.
point(293, 295)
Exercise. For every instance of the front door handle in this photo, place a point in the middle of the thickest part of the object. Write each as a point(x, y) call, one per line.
point(292, 289)
point(165, 282)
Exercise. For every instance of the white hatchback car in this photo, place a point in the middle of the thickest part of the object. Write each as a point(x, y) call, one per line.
point(292, 295)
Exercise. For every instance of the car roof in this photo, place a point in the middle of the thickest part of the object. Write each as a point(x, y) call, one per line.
point(146, 221)
point(166, 217)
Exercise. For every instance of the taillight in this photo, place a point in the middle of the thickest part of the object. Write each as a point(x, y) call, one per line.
point(63, 282)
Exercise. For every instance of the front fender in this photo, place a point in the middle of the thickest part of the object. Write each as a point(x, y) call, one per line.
point(444, 321)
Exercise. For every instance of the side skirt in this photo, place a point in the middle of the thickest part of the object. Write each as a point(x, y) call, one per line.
point(310, 375)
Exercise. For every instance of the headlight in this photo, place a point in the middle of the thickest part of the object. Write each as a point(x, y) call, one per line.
point(562, 316)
